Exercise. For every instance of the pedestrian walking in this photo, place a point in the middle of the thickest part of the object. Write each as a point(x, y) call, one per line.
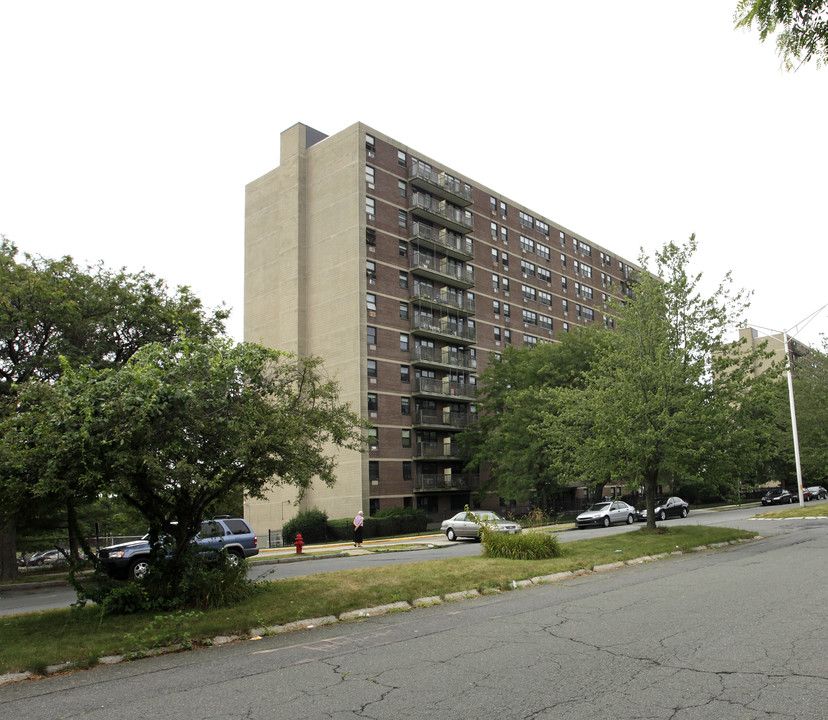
point(359, 520)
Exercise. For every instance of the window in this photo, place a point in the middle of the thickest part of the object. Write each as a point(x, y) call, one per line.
point(403, 248)
point(496, 334)
point(496, 307)
point(405, 373)
point(372, 335)
point(543, 251)
point(542, 227)
point(565, 305)
point(586, 270)
point(371, 304)
point(576, 266)
point(526, 244)
point(373, 471)
point(371, 208)
point(494, 256)
point(504, 260)
point(372, 368)
point(371, 238)
point(530, 318)
point(405, 438)
point(507, 336)
point(544, 274)
point(545, 322)
point(373, 437)
point(403, 311)
point(402, 191)
point(493, 230)
point(507, 310)
point(544, 298)
point(589, 313)
point(402, 218)
point(493, 204)
point(504, 235)
point(563, 239)
point(405, 406)
point(587, 292)
point(566, 327)
point(369, 175)
point(577, 289)
point(404, 342)
point(506, 285)
point(370, 145)
point(402, 160)
point(584, 248)
point(373, 403)
point(496, 283)
point(406, 470)
point(403, 279)
point(503, 208)
point(563, 260)
point(528, 292)
point(563, 284)
point(371, 272)
point(530, 340)
point(526, 220)
point(527, 268)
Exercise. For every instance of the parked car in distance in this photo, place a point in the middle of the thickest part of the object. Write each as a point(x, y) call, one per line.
point(806, 495)
point(467, 524)
point(606, 513)
point(46, 557)
point(670, 507)
point(818, 492)
point(131, 560)
point(777, 496)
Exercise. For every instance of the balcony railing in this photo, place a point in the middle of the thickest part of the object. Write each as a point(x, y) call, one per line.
point(443, 212)
point(442, 269)
point(445, 419)
point(444, 356)
point(447, 240)
point(443, 328)
point(436, 450)
point(440, 481)
point(443, 298)
point(439, 183)
point(445, 388)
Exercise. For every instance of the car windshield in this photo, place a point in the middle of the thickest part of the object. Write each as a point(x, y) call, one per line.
point(487, 516)
point(774, 492)
point(599, 506)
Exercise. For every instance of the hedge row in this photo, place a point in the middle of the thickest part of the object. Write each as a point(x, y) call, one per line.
point(316, 527)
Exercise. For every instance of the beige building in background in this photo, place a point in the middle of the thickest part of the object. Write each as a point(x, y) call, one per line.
point(405, 277)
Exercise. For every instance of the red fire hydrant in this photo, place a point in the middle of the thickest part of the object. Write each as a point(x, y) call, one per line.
point(299, 543)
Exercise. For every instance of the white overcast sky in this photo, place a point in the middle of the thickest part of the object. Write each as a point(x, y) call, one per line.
point(129, 130)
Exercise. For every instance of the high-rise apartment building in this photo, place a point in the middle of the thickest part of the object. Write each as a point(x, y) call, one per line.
point(404, 276)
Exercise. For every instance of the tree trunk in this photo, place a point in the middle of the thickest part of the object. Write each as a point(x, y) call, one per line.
point(650, 484)
point(8, 546)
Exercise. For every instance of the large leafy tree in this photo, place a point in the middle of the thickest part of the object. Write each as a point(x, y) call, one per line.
point(513, 400)
point(663, 401)
point(802, 27)
point(181, 426)
point(56, 314)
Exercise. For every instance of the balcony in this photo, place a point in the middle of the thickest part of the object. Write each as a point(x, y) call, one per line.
point(442, 269)
point(443, 299)
point(444, 388)
point(445, 328)
point(445, 420)
point(440, 239)
point(443, 358)
point(445, 450)
point(435, 482)
point(441, 212)
point(440, 184)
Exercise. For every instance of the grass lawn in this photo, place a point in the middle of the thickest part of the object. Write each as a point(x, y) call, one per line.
point(35, 641)
point(820, 510)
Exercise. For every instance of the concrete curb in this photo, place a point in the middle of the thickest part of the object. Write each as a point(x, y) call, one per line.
point(258, 633)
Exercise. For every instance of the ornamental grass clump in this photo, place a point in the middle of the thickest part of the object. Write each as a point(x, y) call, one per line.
point(525, 546)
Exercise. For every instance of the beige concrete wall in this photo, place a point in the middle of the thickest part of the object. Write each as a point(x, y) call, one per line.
point(305, 290)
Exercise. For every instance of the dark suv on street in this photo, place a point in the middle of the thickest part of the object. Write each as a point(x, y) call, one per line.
point(131, 560)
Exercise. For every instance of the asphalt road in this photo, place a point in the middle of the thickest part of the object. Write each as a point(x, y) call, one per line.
point(20, 601)
point(727, 634)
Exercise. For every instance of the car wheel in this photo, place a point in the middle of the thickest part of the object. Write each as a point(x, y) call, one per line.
point(662, 516)
point(138, 569)
point(234, 558)
point(450, 534)
point(684, 512)
point(606, 521)
point(630, 519)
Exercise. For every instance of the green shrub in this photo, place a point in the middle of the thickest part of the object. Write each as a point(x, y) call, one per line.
point(524, 546)
point(312, 524)
point(398, 521)
point(341, 529)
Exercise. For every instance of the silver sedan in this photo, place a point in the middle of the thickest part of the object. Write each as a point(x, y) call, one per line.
point(468, 524)
point(606, 513)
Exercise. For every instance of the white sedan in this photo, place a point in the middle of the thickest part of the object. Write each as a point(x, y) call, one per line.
point(606, 513)
point(468, 524)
